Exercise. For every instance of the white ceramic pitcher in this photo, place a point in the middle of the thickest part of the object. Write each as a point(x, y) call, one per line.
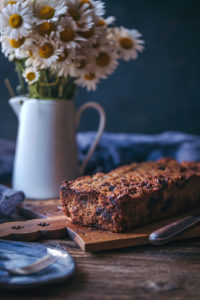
point(46, 149)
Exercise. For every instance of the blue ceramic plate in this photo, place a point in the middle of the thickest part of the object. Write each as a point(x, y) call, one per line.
point(18, 254)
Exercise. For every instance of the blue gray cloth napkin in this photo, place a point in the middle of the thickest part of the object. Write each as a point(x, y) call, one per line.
point(114, 150)
point(119, 149)
point(9, 201)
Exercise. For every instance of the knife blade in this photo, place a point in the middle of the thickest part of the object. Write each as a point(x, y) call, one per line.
point(167, 233)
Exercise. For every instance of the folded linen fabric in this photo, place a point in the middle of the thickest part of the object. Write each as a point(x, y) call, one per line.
point(9, 201)
point(119, 149)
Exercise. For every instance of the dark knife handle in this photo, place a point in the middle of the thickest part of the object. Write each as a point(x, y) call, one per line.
point(165, 234)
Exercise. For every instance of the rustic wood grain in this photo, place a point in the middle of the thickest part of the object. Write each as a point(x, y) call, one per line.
point(35, 209)
point(88, 239)
point(91, 240)
point(141, 273)
point(145, 272)
point(33, 230)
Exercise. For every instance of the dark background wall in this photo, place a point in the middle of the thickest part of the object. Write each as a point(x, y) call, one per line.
point(158, 92)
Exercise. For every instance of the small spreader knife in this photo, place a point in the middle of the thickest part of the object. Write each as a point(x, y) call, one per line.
point(167, 233)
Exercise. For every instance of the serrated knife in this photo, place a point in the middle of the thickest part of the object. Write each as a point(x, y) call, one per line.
point(167, 233)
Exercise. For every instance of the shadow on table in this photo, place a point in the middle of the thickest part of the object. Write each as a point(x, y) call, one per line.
point(55, 291)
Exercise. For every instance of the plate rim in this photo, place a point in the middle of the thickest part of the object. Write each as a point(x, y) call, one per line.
point(61, 278)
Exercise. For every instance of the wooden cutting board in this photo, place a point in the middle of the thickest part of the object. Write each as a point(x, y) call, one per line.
point(50, 223)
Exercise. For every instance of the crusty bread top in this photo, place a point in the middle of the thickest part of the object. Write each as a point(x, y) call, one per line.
point(135, 179)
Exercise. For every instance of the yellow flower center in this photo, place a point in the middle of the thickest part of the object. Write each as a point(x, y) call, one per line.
point(89, 76)
point(30, 76)
point(87, 34)
point(46, 12)
point(11, 2)
point(63, 56)
point(87, 2)
point(46, 28)
point(16, 43)
point(126, 43)
point(30, 53)
point(101, 23)
point(103, 60)
point(46, 50)
point(74, 13)
point(67, 35)
point(15, 21)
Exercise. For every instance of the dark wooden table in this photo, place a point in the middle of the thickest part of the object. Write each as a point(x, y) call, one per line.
point(147, 272)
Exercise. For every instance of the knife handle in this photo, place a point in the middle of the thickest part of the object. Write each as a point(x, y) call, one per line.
point(165, 234)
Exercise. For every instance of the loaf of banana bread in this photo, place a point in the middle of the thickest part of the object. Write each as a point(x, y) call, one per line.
point(132, 196)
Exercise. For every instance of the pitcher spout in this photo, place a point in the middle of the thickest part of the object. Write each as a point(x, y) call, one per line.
point(16, 104)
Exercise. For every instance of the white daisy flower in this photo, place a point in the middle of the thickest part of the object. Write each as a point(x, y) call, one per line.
point(80, 14)
point(43, 53)
point(11, 57)
point(105, 62)
point(81, 64)
point(105, 22)
point(93, 35)
point(88, 80)
point(64, 70)
point(69, 38)
point(128, 43)
point(49, 10)
point(62, 67)
point(14, 47)
point(73, 71)
point(1, 5)
point(6, 2)
point(21, 54)
point(31, 75)
point(67, 33)
point(46, 28)
point(97, 6)
point(8, 47)
point(101, 43)
point(16, 20)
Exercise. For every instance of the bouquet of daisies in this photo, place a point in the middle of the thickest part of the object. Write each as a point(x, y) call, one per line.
point(58, 45)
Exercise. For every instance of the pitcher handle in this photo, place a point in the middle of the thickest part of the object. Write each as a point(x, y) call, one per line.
point(100, 130)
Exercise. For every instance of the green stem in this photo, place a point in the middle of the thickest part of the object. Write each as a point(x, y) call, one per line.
point(33, 91)
point(63, 82)
point(48, 89)
point(52, 87)
point(19, 67)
